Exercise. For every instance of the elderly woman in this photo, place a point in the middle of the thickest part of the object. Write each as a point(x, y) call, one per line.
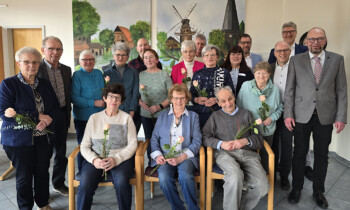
point(29, 149)
point(86, 97)
point(187, 67)
point(121, 147)
point(251, 96)
point(122, 74)
point(236, 65)
point(175, 123)
point(208, 78)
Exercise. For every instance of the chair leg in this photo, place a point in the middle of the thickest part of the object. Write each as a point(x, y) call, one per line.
point(208, 192)
point(152, 189)
point(71, 198)
point(212, 188)
point(7, 172)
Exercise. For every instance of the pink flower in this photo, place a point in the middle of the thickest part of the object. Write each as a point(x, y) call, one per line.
point(106, 127)
point(183, 71)
point(262, 98)
point(142, 87)
point(181, 139)
point(107, 78)
point(10, 112)
point(258, 121)
point(195, 83)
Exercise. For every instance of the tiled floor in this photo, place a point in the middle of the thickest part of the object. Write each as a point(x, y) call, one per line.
point(337, 191)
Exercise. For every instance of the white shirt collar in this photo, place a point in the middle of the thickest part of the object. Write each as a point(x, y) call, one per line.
point(171, 111)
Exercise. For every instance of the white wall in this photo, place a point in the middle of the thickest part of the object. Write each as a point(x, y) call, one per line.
point(264, 20)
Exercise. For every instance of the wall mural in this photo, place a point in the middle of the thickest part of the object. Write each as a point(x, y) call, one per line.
point(98, 24)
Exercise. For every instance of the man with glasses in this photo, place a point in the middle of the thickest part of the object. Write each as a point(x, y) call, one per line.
point(59, 76)
point(282, 135)
point(315, 98)
point(289, 33)
point(251, 59)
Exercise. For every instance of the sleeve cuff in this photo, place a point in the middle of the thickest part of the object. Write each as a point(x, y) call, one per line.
point(155, 154)
point(250, 143)
point(219, 145)
point(189, 153)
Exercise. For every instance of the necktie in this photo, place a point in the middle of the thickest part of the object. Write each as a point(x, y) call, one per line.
point(317, 69)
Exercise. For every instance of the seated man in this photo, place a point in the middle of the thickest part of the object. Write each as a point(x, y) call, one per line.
point(236, 157)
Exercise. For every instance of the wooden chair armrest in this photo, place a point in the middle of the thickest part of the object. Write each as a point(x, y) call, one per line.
point(271, 161)
point(209, 160)
point(202, 161)
point(145, 145)
point(74, 153)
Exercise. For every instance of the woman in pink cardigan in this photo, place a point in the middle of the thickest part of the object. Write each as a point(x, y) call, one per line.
point(188, 66)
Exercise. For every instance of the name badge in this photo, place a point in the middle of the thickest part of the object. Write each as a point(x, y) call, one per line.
point(242, 74)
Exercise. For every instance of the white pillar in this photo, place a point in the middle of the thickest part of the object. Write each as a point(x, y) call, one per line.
point(154, 24)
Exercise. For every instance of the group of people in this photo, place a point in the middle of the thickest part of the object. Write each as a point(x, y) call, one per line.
point(301, 90)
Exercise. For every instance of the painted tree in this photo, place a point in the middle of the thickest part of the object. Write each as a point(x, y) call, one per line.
point(85, 20)
point(217, 37)
point(161, 38)
point(106, 38)
point(141, 29)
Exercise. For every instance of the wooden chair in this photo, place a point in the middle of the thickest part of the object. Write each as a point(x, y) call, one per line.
point(211, 175)
point(7, 172)
point(136, 180)
point(199, 176)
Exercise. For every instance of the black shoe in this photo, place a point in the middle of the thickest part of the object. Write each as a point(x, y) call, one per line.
point(308, 173)
point(321, 200)
point(62, 190)
point(285, 183)
point(294, 196)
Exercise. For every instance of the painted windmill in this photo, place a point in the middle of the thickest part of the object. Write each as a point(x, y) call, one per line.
point(186, 31)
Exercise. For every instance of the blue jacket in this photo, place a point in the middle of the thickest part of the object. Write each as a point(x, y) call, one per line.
point(86, 88)
point(190, 131)
point(20, 97)
point(255, 59)
point(130, 81)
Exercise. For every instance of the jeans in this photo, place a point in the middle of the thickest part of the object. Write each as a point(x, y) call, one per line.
point(186, 179)
point(90, 177)
point(80, 129)
point(148, 126)
point(31, 162)
point(59, 148)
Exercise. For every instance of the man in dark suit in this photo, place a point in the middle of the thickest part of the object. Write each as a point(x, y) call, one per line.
point(315, 98)
point(59, 76)
point(245, 42)
point(289, 33)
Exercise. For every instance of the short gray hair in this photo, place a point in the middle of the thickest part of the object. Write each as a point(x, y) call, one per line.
point(201, 36)
point(86, 52)
point(120, 46)
point(43, 43)
point(29, 50)
point(289, 24)
point(188, 44)
point(281, 42)
point(209, 47)
point(218, 89)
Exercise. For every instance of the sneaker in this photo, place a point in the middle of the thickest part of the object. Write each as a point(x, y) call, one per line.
point(47, 207)
point(62, 190)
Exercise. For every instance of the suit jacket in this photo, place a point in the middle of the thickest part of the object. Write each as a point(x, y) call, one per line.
point(176, 74)
point(255, 59)
point(298, 49)
point(303, 95)
point(66, 73)
point(190, 131)
point(243, 77)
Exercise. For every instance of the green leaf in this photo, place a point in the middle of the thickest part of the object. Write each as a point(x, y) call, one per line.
point(166, 146)
point(166, 59)
point(256, 131)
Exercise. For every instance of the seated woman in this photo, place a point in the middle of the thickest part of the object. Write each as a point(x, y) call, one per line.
point(236, 65)
point(172, 124)
point(187, 67)
point(121, 143)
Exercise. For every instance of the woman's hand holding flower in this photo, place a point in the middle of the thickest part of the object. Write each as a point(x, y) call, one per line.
point(210, 102)
point(143, 105)
point(46, 118)
point(153, 109)
point(201, 100)
point(268, 121)
point(109, 163)
point(160, 160)
point(177, 160)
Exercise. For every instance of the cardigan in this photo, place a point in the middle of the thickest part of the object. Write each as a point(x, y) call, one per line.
point(20, 97)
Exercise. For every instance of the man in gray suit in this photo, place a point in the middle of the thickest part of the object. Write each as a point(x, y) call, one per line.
point(245, 42)
point(315, 98)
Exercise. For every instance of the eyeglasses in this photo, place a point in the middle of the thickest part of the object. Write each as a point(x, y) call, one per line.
point(289, 32)
point(210, 55)
point(284, 51)
point(34, 63)
point(243, 43)
point(120, 55)
point(235, 54)
point(117, 98)
point(88, 59)
point(51, 49)
point(179, 98)
point(312, 40)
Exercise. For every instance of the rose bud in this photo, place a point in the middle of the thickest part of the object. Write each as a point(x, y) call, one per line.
point(106, 127)
point(262, 98)
point(142, 87)
point(10, 112)
point(181, 139)
point(258, 121)
point(107, 78)
point(183, 71)
point(195, 83)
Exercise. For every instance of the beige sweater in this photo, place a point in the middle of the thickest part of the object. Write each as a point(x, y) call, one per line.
point(121, 140)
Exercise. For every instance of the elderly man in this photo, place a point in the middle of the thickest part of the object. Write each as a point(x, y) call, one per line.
point(282, 134)
point(315, 97)
point(236, 157)
point(59, 76)
point(122, 74)
point(137, 63)
point(251, 59)
point(200, 42)
point(289, 33)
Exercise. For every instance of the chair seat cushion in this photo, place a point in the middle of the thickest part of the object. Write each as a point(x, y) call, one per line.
point(217, 169)
point(149, 169)
point(109, 177)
